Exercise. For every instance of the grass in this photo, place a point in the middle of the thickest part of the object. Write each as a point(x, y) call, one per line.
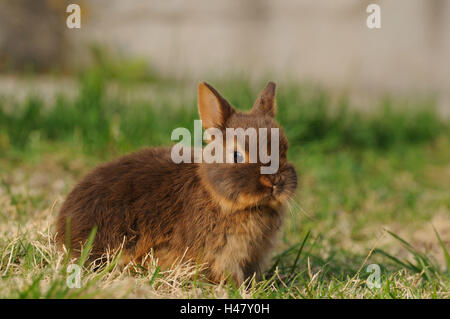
point(373, 186)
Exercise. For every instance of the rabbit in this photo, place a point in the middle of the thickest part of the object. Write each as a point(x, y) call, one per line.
point(226, 215)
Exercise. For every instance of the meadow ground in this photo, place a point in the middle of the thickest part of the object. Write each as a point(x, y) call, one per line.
point(374, 189)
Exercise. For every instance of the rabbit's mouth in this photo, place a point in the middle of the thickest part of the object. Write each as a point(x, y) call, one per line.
point(280, 188)
point(275, 196)
point(234, 191)
point(279, 197)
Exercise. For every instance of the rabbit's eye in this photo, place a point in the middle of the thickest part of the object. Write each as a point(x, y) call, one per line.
point(238, 158)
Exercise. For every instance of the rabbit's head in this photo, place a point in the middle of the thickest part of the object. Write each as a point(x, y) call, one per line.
point(240, 183)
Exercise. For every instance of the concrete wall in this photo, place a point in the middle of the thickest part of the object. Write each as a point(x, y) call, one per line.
point(320, 40)
point(324, 40)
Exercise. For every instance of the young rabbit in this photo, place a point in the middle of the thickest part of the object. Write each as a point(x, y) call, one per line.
point(226, 215)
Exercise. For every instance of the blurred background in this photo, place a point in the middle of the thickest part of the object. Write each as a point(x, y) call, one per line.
point(366, 112)
point(324, 41)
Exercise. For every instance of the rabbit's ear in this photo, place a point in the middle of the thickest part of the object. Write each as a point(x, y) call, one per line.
point(213, 109)
point(265, 104)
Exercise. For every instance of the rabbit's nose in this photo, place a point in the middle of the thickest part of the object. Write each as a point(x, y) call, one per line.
point(266, 181)
point(270, 181)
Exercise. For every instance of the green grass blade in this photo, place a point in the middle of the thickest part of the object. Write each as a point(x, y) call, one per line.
point(444, 249)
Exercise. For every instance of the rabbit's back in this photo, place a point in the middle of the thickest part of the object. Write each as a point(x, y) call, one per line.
point(125, 199)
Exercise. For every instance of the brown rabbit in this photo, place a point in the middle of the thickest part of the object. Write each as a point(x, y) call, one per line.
point(224, 214)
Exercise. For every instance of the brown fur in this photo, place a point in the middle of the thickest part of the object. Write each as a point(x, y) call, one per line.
point(226, 215)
